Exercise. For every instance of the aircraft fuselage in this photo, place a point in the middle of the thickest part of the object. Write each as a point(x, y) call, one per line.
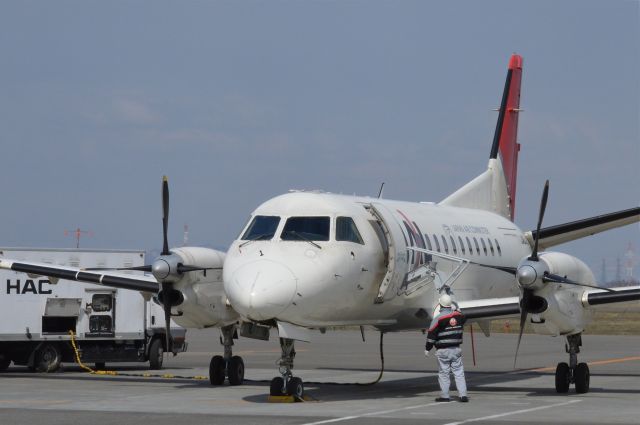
point(319, 279)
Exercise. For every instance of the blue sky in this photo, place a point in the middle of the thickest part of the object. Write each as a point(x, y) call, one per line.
point(240, 101)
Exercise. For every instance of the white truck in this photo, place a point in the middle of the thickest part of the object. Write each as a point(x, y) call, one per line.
point(110, 325)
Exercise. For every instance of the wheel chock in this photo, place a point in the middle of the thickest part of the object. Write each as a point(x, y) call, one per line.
point(288, 399)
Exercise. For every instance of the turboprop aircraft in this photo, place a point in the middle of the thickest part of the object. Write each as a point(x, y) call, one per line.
point(312, 260)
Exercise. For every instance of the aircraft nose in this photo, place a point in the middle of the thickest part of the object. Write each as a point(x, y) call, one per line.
point(261, 290)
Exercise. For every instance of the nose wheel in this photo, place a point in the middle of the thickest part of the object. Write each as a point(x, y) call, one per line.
point(574, 372)
point(228, 366)
point(287, 384)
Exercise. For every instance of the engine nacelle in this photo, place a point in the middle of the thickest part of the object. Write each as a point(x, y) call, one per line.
point(556, 308)
point(204, 303)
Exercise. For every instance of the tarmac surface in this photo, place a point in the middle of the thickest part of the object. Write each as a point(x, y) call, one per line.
point(330, 367)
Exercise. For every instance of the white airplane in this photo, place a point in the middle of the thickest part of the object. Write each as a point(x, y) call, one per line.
point(312, 260)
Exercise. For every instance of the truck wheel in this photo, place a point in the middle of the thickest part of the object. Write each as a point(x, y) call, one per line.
point(155, 354)
point(4, 364)
point(48, 358)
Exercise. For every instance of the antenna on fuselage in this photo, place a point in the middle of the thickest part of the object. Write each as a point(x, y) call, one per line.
point(381, 190)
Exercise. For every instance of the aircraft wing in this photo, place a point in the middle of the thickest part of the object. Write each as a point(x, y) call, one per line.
point(116, 280)
point(561, 233)
point(490, 308)
point(496, 308)
point(597, 297)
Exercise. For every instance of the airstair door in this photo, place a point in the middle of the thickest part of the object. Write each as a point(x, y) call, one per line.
point(397, 264)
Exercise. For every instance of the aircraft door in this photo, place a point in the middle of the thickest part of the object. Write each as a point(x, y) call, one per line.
point(396, 252)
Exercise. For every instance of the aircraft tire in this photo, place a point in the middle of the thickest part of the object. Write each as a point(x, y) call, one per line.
point(216, 370)
point(295, 387)
point(563, 378)
point(235, 371)
point(582, 378)
point(276, 386)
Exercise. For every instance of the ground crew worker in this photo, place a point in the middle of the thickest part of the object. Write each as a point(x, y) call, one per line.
point(445, 333)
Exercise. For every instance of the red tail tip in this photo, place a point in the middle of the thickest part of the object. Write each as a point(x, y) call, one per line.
point(515, 62)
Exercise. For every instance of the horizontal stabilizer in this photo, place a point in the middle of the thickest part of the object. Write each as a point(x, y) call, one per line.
point(561, 233)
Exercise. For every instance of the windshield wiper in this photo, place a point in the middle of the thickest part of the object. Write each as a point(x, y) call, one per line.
point(303, 238)
point(256, 238)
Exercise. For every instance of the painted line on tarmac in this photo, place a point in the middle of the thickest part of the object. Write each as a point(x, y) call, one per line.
point(381, 412)
point(517, 412)
point(594, 363)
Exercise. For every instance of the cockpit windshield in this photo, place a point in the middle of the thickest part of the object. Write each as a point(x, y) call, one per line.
point(262, 227)
point(347, 231)
point(306, 228)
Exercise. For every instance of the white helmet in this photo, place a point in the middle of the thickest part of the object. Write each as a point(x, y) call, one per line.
point(445, 300)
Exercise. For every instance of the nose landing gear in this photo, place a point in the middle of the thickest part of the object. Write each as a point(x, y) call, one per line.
point(287, 384)
point(229, 366)
point(574, 372)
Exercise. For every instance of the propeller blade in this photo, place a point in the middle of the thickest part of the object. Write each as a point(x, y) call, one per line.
point(166, 288)
point(543, 207)
point(550, 277)
point(526, 294)
point(165, 215)
point(183, 269)
point(137, 268)
point(510, 270)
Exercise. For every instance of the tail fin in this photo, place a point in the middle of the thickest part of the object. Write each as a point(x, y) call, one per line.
point(495, 189)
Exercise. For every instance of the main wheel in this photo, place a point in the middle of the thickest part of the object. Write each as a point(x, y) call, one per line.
point(48, 358)
point(582, 377)
point(563, 378)
point(216, 370)
point(4, 363)
point(156, 354)
point(235, 371)
point(295, 387)
point(277, 384)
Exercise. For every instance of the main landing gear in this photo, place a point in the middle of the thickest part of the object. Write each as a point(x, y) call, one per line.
point(574, 372)
point(229, 366)
point(287, 384)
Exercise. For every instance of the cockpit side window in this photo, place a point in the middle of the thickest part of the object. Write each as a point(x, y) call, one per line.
point(347, 231)
point(306, 228)
point(262, 227)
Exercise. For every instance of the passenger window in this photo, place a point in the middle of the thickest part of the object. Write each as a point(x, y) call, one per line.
point(435, 239)
point(306, 228)
point(491, 247)
point(453, 245)
point(426, 239)
point(262, 227)
point(484, 246)
point(444, 243)
point(475, 242)
point(498, 246)
point(469, 245)
point(347, 231)
point(461, 245)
